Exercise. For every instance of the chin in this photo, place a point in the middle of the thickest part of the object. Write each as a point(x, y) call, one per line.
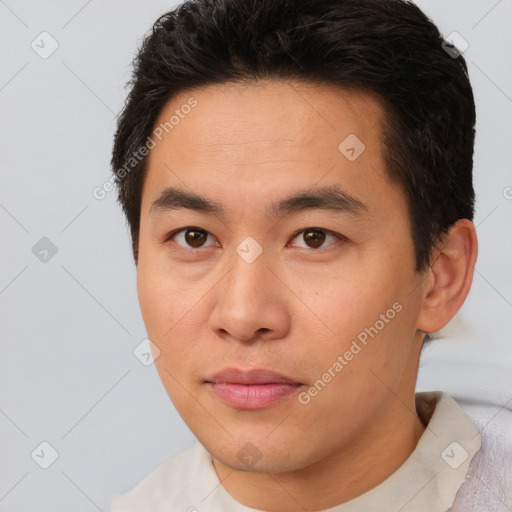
point(257, 456)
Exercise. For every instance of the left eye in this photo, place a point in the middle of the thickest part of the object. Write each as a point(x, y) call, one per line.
point(313, 238)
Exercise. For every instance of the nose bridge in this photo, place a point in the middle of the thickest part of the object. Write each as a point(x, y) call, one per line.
point(247, 300)
point(249, 273)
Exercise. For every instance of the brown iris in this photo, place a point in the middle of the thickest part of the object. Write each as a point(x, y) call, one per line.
point(313, 237)
point(195, 238)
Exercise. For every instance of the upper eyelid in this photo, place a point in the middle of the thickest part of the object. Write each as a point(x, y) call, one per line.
point(313, 228)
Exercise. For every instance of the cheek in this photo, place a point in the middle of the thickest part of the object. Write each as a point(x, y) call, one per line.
point(168, 290)
point(159, 297)
point(162, 307)
point(368, 319)
point(346, 301)
point(151, 293)
point(172, 310)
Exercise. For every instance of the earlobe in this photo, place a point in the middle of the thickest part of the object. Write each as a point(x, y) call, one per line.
point(451, 275)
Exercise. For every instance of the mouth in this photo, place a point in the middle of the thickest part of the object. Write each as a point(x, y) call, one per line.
point(254, 389)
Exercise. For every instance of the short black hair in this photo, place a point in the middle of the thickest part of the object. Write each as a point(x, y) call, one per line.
point(388, 48)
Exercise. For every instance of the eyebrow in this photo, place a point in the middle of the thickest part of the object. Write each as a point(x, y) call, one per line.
point(329, 198)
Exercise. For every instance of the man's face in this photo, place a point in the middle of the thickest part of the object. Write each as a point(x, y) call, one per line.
point(286, 334)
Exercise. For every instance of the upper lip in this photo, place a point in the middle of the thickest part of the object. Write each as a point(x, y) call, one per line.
point(255, 376)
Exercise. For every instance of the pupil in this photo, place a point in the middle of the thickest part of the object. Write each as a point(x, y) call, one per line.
point(196, 239)
point(316, 238)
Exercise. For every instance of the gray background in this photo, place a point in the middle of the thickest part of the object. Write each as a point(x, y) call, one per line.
point(70, 321)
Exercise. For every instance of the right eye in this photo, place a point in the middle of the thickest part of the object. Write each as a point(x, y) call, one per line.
point(190, 237)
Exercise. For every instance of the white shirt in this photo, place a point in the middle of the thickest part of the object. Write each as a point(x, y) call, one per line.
point(427, 481)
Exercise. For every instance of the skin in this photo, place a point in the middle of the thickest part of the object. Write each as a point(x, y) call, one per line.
point(297, 307)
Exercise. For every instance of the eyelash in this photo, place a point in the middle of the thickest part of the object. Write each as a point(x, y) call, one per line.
point(341, 238)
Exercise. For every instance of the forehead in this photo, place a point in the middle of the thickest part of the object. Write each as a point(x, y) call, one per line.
point(277, 112)
point(267, 136)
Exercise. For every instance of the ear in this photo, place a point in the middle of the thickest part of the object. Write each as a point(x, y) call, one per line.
point(449, 278)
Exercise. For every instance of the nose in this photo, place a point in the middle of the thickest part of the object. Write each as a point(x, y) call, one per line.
point(251, 304)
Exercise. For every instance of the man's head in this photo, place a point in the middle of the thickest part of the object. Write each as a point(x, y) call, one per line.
point(303, 210)
point(387, 48)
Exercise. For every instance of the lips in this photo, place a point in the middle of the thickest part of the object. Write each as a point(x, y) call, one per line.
point(253, 389)
point(250, 377)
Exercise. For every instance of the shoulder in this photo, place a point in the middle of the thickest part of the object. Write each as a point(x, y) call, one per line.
point(488, 484)
point(175, 482)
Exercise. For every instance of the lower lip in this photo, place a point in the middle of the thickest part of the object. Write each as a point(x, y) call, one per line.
point(256, 396)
